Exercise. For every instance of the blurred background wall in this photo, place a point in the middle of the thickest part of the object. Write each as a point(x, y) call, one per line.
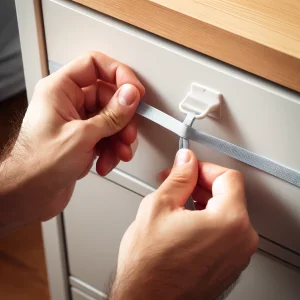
point(11, 69)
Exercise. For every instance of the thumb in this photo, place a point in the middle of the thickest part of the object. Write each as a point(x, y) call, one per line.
point(117, 113)
point(181, 182)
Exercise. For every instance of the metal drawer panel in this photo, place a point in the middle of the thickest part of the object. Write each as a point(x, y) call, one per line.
point(257, 115)
point(100, 211)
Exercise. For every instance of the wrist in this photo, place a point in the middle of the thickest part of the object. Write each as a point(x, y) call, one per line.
point(127, 285)
point(12, 183)
point(138, 282)
point(21, 188)
point(125, 288)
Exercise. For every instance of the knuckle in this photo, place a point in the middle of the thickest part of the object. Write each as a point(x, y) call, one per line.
point(92, 53)
point(84, 127)
point(179, 178)
point(78, 132)
point(250, 243)
point(245, 264)
point(238, 224)
point(112, 119)
point(240, 227)
point(236, 175)
point(146, 203)
point(147, 206)
point(41, 84)
point(254, 241)
point(49, 84)
point(156, 202)
point(87, 57)
point(161, 199)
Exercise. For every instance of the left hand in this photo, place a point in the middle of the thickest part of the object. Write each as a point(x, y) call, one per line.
point(82, 111)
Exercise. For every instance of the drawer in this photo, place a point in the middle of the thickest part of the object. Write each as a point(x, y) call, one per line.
point(100, 212)
point(81, 289)
point(257, 115)
point(267, 278)
point(79, 295)
point(95, 221)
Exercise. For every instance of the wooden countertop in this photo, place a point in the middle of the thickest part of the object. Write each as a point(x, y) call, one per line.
point(262, 37)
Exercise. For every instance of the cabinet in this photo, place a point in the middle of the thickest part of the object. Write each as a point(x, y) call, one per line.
point(82, 244)
point(95, 221)
point(100, 212)
point(79, 295)
point(256, 115)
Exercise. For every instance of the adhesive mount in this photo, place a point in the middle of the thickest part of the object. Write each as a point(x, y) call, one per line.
point(202, 101)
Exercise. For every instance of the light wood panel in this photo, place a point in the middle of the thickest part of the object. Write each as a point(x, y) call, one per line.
point(262, 37)
point(22, 265)
point(22, 262)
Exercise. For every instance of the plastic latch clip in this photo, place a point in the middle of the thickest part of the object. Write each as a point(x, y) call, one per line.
point(202, 101)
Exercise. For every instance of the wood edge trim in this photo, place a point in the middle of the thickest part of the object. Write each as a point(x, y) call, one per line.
point(215, 42)
point(41, 37)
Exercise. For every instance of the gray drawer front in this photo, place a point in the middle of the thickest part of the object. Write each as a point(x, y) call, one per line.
point(95, 220)
point(100, 212)
point(257, 115)
point(79, 295)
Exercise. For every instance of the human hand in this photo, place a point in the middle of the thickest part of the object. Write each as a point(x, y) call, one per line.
point(82, 111)
point(172, 253)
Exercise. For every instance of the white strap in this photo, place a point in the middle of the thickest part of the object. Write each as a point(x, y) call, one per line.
point(184, 144)
point(189, 133)
point(236, 152)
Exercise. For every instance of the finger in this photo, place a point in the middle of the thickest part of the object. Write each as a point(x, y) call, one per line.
point(179, 185)
point(123, 151)
point(91, 98)
point(107, 161)
point(208, 173)
point(231, 183)
point(129, 133)
point(199, 206)
point(201, 195)
point(97, 96)
point(228, 192)
point(86, 69)
point(161, 177)
point(102, 145)
point(115, 115)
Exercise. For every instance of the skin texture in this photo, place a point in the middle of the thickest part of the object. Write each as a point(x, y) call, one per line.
point(173, 253)
point(76, 115)
point(85, 111)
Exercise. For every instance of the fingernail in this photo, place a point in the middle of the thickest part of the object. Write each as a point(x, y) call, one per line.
point(127, 94)
point(183, 156)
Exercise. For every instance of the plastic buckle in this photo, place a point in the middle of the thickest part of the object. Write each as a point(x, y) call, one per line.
point(202, 102)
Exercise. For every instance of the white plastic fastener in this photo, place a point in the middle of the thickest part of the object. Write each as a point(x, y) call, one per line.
point(202, 101)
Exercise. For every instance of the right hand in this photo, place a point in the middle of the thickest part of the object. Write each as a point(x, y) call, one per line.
point(172, 253)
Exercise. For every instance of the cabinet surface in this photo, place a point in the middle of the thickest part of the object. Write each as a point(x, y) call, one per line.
point(262, 37)
point(79, 295)
point(100, 212)
point(95, 221)
point(256, 115)
point(81, 248)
